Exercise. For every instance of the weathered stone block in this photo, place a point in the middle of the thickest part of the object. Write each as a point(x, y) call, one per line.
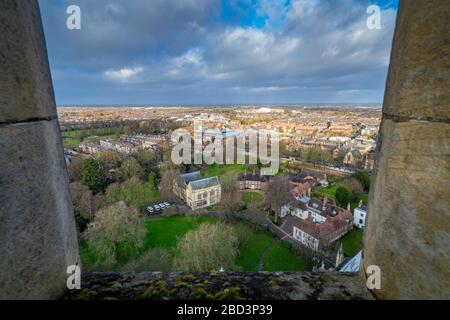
point(37, 231)
point(408, 224)
point(26, 90)
point(408, 221)
point(418, 81)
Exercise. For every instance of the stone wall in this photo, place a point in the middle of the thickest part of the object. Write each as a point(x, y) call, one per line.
point(408, 227)
point(37, 228)
point(219, 286)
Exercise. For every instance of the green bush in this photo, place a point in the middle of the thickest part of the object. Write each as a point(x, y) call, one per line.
point(91, 175)
point(343, 196)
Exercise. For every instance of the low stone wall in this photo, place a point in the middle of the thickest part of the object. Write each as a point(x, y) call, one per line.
point(219, 286)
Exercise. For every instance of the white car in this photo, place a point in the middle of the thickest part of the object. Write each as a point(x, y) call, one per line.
point(162, 205)
point(167, 204)
point(150, 210)
point(157, 207)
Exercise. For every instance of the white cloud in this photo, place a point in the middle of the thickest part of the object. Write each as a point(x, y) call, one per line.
point(124, 74)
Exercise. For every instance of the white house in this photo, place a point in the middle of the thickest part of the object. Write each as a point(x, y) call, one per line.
point(359, 216)
point(294, 209)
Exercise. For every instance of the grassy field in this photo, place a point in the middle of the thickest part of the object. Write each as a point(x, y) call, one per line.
point(164, 233)
point(328, 192)
point(280, 258)
point(352, 242)
point(71, 139)
point(321, 192)
point(249, 257)
point(220, 170)
point(248, 196)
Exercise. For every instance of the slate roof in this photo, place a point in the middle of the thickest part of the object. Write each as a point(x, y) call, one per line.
point(191, 176)
point(353, 264)
point(253, 177)
point(204, 183)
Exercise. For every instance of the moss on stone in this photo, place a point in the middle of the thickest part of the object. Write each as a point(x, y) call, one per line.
point(157, 291)
point(189, 278)
point(86, 294)
point(201, 294)
point(233, 293)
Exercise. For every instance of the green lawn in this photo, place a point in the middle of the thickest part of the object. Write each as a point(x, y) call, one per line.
point(97, 139)
point(248, 196)
point(164, 232)
point(89, 132)
point(280, 258)
point(223, 169)
point(352, 242)
point(328, 192)
point(249, 257)
point(71, 143)
point(72, 139)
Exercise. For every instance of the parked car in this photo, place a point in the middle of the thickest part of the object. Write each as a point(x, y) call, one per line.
point(162, 205)
point(150, 210)
point(167, 204)
point(157, 207)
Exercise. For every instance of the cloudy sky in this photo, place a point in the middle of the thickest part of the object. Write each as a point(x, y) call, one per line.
point(172, 52)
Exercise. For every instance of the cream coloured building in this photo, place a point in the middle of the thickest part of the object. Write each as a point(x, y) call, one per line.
point(196, 191)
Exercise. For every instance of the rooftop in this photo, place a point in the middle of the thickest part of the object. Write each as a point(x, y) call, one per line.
point(204, 183)
point(191, 176)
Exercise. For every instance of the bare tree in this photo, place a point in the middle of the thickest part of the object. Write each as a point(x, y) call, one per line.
point(355, 186)
point(278, 194)
point(74, 169)
point(230, 202)
point(255, 212)
point(168, 177)
point(82, 199)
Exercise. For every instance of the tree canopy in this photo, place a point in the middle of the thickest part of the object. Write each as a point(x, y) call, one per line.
point(91, 175)
point(116, 234)
point(343, 196)
point(364, 178)
point(210, 247)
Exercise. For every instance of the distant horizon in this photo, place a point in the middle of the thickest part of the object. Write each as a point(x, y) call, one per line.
point(244, 105)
